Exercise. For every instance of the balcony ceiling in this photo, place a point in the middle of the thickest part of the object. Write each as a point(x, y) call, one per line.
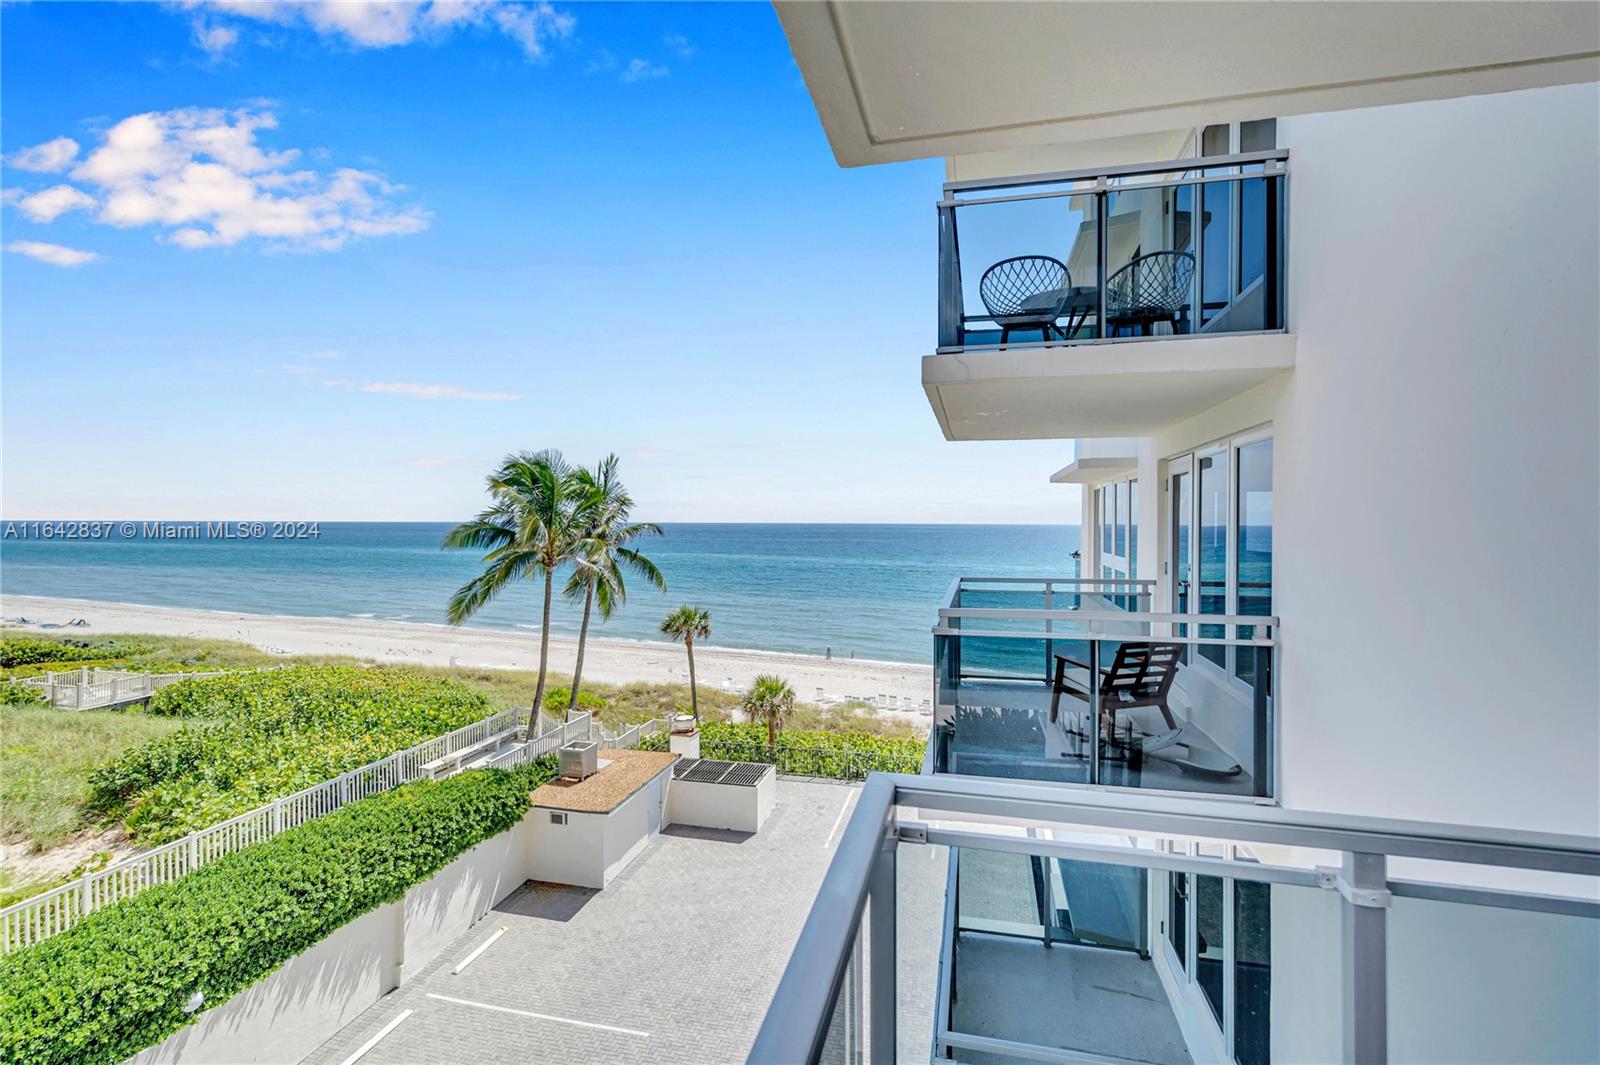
point(1120, 389)
point(917, 79)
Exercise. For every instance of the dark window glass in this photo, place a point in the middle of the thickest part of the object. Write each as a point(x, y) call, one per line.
point(1208, 940)
point(1258, 136)
point(1252, 972)
point(1178, 916)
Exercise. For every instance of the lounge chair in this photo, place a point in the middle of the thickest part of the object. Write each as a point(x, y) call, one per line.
point(1141, 675)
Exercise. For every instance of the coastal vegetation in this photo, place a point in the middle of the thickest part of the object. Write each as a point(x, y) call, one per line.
point(545, 514)
point(257, 736)
point(53, 830)
point(847, 754)
point(769, 701)
point(117, 981)
point(685, 625)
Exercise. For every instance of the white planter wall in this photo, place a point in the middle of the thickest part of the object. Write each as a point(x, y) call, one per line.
point(293, 1011)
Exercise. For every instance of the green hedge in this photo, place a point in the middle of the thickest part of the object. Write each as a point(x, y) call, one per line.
point(16, 693)
point(255, 737)
point(26, 651)
point(116, 982)
point(846, 754)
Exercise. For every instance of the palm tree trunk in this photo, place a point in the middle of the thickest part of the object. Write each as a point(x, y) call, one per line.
point(694, 694)
point(772, 736)
point(583, 634)
point(544, 651)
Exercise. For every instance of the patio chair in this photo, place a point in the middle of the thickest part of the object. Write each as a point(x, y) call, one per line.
point(1026, 292)
point(1154, 287)
point(1141, 675)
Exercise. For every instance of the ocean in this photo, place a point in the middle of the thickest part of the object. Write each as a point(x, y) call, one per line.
point(868, 591)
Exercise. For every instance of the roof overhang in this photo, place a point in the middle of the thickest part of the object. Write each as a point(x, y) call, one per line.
point(917, 79)
point(1096, 470)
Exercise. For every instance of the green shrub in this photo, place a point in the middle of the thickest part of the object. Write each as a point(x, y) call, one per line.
point(255, 737)
point(35, 669)
point(846, 755)
point(556, 699)
point(15, 693)
point(115, 983)
point(26, 650)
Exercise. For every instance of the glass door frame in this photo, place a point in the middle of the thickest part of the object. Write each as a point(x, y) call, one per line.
point(1187, 463)
point(1196, 1018)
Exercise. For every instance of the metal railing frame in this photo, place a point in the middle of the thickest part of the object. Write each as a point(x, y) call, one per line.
point(860, 882)
point(1100, 183)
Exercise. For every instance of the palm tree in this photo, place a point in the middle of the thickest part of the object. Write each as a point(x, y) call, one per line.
point(685, 625)
point(528, 531)
point(769, 699)
point(603, 552)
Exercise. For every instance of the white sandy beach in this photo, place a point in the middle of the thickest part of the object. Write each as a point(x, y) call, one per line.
point(611, 661)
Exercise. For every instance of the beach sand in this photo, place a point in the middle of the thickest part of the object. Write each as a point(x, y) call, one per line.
point(610, 661)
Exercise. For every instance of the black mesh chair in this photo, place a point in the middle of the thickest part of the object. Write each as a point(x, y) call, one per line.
point(1153, 288)
point(1027, 292)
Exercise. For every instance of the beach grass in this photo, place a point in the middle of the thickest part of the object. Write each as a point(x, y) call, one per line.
point(46, 757)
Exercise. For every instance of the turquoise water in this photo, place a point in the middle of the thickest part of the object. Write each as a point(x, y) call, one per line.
point(865, 590)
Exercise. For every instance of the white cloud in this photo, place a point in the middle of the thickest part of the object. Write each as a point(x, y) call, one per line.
point(51, 157)
point(54, 202)
point(600, 62)
point(641, 69)
point(203, 178)
point(54, 254)
point(305, 371)
point(387, 23)
point(215, 39)
point(420, 391)
point(679, 44)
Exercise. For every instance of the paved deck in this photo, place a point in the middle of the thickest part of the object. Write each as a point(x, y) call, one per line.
point(676, 961)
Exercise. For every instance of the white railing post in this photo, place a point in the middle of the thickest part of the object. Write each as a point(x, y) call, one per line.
point(277, 817)
point(194, 851)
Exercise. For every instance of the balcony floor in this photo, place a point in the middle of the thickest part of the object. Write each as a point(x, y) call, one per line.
point(1088, 999)
point(1003, 729)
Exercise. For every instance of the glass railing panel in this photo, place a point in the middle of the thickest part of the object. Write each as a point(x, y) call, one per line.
point(1150, 261)
point(844, 1043)
point(1452, 966)
point(1137, 712)
point(1181, 249)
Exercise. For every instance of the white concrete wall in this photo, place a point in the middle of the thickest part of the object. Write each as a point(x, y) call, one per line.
point(294, 1010)
point(1438, 538)
point(726, 806)
point(573, 853)
point(1437, 532)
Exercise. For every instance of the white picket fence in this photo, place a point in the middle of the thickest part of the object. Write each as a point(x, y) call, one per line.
point(87, 689)
point(56, 910)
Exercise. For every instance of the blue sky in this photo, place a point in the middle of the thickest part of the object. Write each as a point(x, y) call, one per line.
point(333, 263)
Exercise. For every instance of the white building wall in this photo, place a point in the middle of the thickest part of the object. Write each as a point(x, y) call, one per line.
point(1438, 544)
point(1437, 454)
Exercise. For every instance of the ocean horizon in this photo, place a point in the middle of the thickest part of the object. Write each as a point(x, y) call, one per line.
point(849, 590)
